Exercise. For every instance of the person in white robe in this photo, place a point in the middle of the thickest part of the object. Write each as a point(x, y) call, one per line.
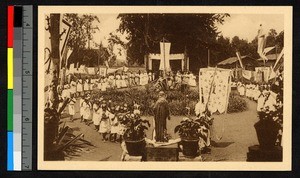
point(97, 111)
point(242, 89)
point(260, 100)
point(256, 92)
point(87, 111)
point(81, 111)
point(72, 108)
point(73, 87)
point(126, 80)
point(118, 81)
point(123, 82)
point(80, 87)
point(150, 77)
point(86, 86)
point(66, 92)
point(270, 101)
point(113, 124)
point(137, 79)
point(192, 80)
point(99, 84)
point(131, 79)
point(104, 123)
point(104, 85)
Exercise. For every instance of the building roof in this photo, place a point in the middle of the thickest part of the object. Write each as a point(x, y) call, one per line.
point(271, 57)
point(233, 60)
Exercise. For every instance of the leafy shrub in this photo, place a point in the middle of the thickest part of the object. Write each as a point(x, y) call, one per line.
point(178, 101)
point(236, 103)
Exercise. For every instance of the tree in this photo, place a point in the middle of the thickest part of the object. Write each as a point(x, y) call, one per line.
point(51, 119)
point(280, 40)
point(224, 50)
point(81, 32)
point(195, 32)
point(271, 38)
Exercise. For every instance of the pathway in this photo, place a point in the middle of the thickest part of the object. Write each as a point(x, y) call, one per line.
point(230, 145)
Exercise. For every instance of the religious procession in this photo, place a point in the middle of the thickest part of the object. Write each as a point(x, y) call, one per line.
point(153, 93)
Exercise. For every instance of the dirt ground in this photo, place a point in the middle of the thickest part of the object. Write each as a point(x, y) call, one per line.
point(232, 134)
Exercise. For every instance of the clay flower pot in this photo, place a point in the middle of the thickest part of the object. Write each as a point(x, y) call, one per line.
point(135, 148)
point(266, 130)
point(190, 147)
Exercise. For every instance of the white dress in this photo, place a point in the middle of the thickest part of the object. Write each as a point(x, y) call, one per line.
point(271, 102)
point(113, 123)
point(97, 114)
point(104, 122)
point(121, 129)
point(123, 82)
point(79, 86)
point(242, 90)
point(73, 87)
point(71, 107)
point(104, 86)
point(256, 93)
point(149, 77)
point(81, 101)
point(87, 111)
point(86, 86)
point(118, 81)
point(260, 102)
point(192, 80)
point(99, 85)
point(65, 93)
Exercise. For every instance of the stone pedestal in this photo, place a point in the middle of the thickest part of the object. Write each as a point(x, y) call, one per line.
point(256, 154)
point(127, 157)
point(184, 158)
point(162, 153)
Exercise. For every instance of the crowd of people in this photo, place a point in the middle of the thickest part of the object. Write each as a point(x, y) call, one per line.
point(261, 93)
point(86, 84)
point(79, 85)
point(105, 115)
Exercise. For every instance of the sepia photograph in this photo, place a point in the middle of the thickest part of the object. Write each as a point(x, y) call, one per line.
point(164, 88)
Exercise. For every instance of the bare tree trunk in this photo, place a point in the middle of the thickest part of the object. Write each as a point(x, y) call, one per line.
point(52, 118)
point(54, 37)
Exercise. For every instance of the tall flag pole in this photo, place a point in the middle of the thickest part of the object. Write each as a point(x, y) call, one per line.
point(238, 55)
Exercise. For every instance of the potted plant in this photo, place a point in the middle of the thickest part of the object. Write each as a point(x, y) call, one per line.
point(189, 131)
point(266, 130)
point(269, 127)
point(134, 134)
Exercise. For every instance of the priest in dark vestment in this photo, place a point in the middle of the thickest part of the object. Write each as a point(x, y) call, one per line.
point(161, 114)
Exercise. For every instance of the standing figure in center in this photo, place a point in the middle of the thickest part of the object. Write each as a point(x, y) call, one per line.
point(161, 114)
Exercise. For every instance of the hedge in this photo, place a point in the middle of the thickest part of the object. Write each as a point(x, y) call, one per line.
point(236, 103)
point(178, 101)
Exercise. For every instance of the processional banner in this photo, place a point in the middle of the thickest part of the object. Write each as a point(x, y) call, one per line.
point(214, 89)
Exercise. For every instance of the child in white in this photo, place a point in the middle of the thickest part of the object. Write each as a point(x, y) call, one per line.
point(113, 124)
point(104, 123)
point(72, 108)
